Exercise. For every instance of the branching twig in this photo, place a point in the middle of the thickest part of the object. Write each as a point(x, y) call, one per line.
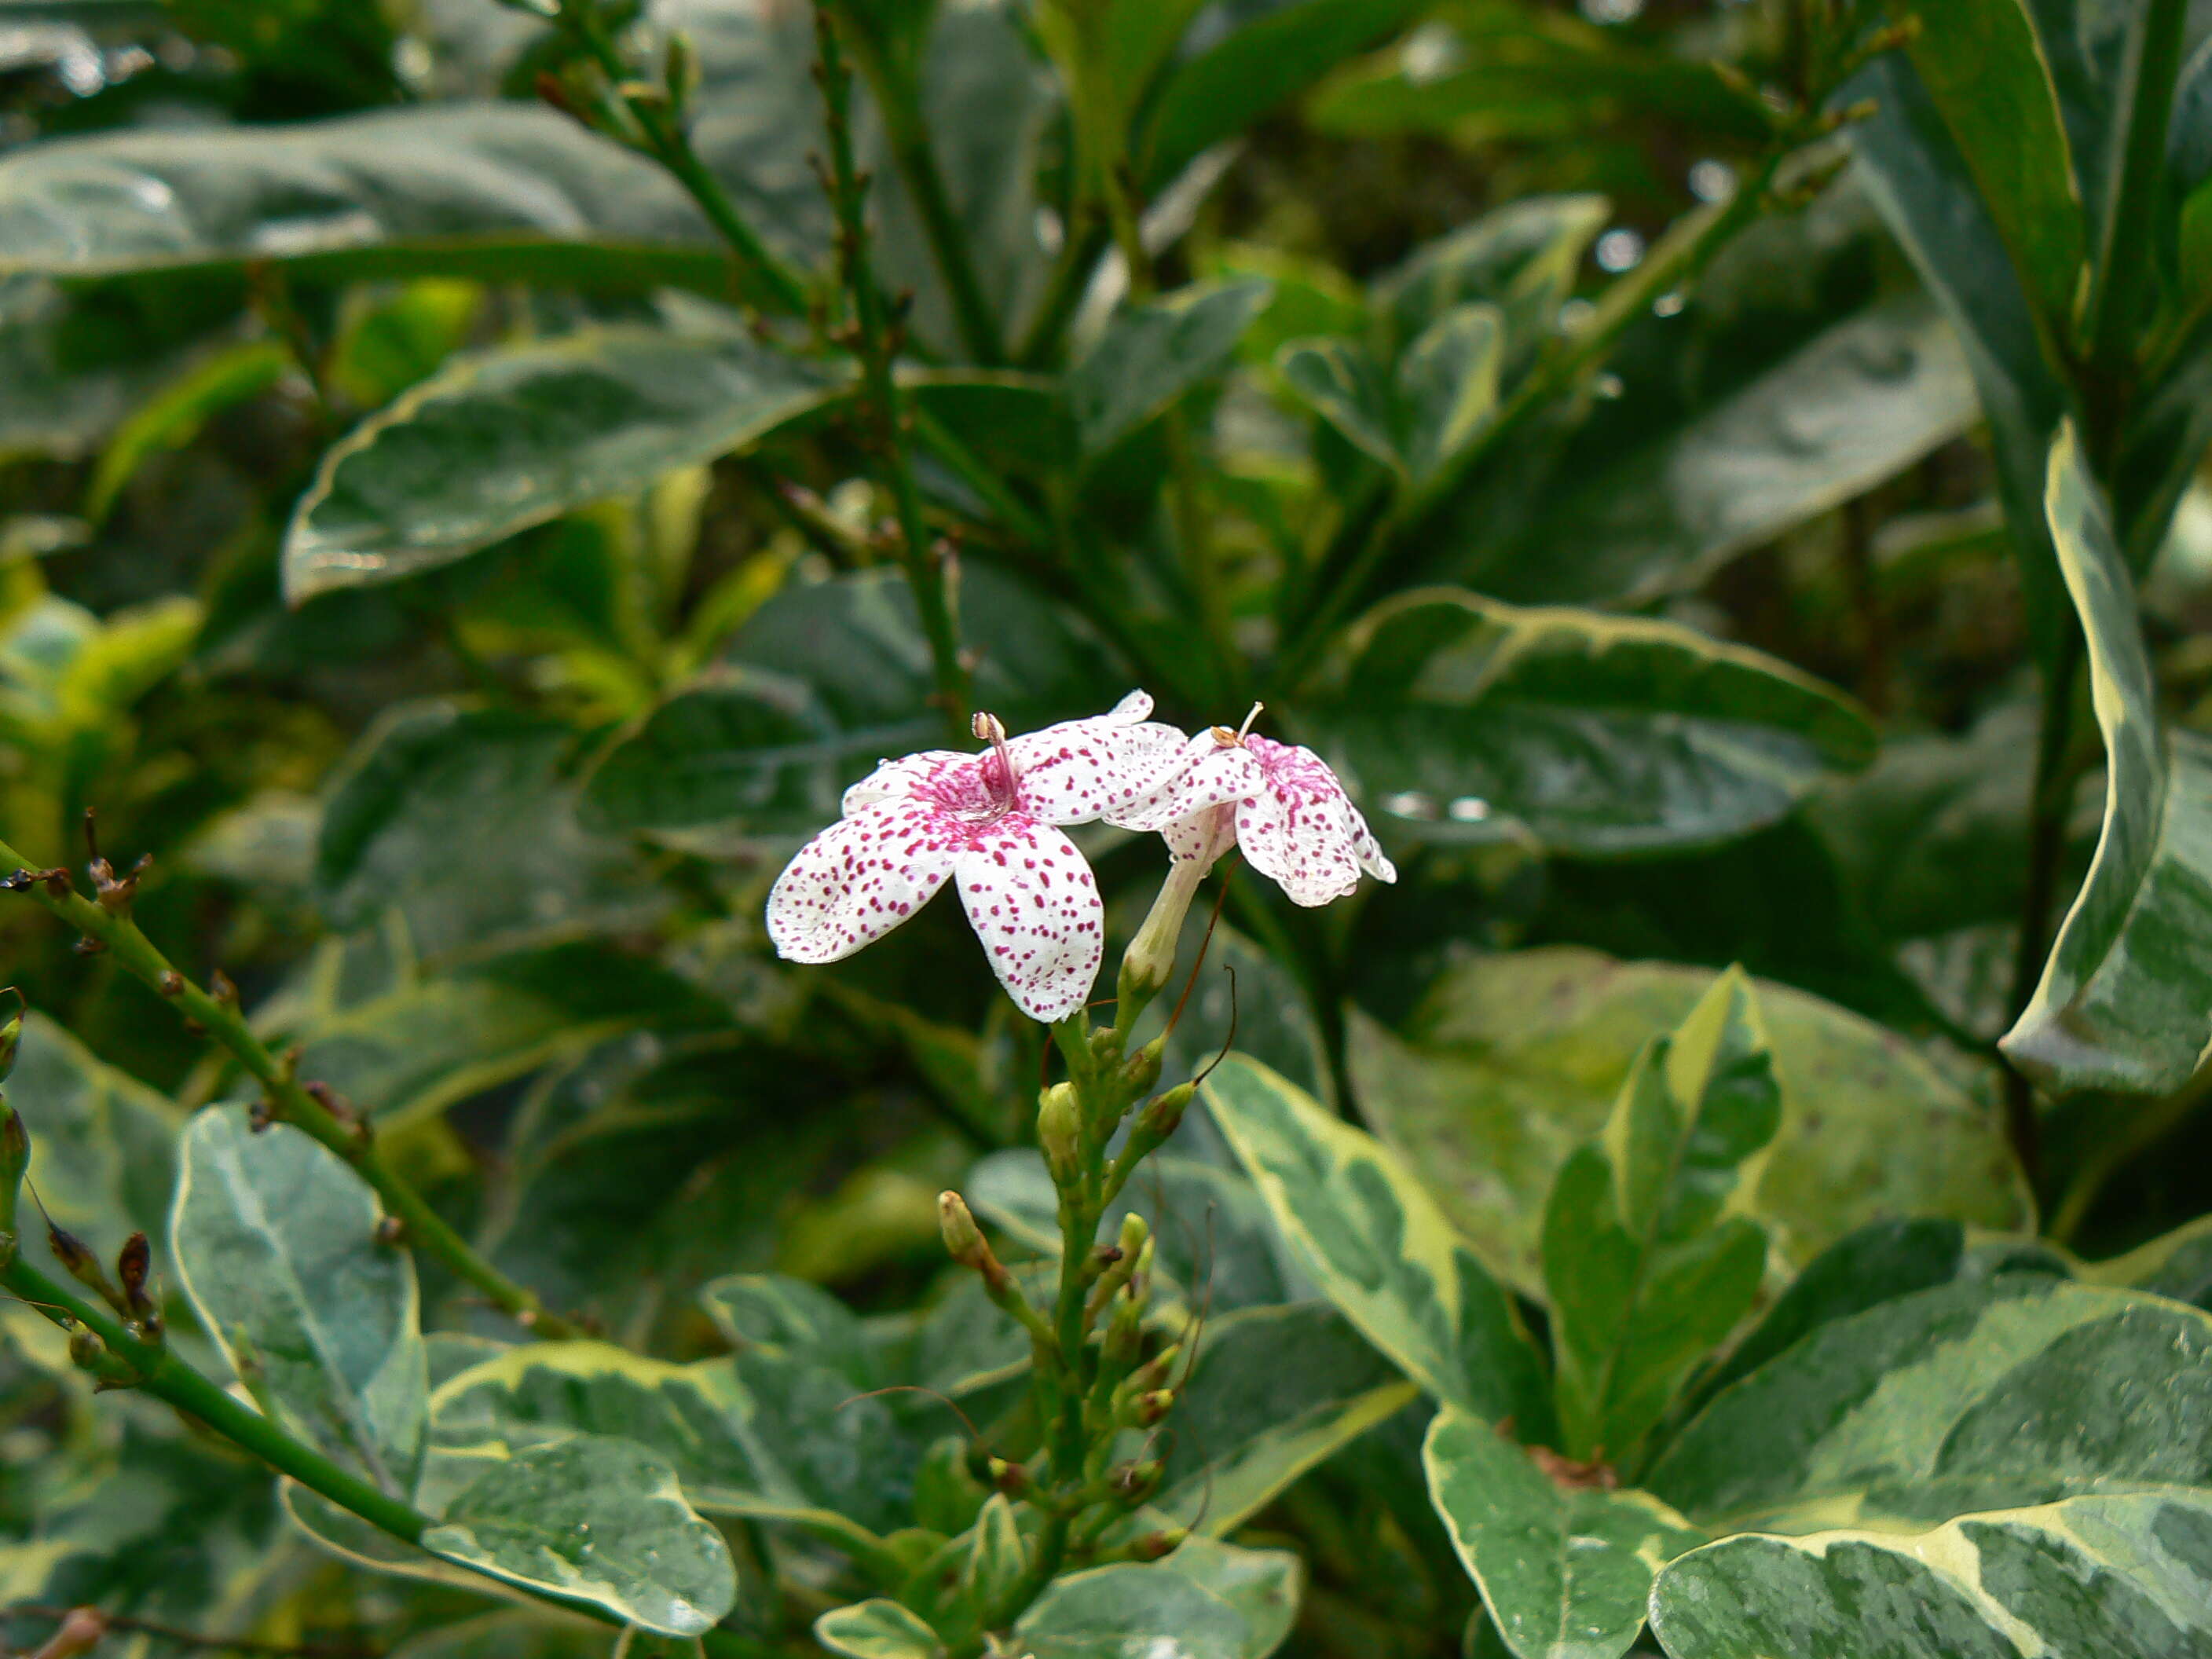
point(307, 1106)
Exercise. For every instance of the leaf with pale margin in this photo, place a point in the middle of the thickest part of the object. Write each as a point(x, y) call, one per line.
point(489, 189)
point(276, 1240)
point(598, 1519)
point(1272, 1392)
point(1982, 1394)
point(508, 438)
point(876, 1629)
point(1646, 1268)
point(1600, 736)
point(2123, 1001)
point(1130, 1612)
point(1513, 1059)
point(1565, 1570)
point(2119, 1577)
point(1375, 1241)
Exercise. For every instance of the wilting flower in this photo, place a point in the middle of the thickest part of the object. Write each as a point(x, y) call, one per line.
point(1277, 801)
point(989, 823)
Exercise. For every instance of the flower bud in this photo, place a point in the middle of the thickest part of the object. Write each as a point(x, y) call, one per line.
point(1135, 1237)
point(11, 1036)
point(86, 1350)
point(1156, 1546)
point(1125, 1335)
point(680, 70)
point(1145, 1409)
point(1059, 1132)
point(1010, 1478)
point(1144, 1067)
point(963, 1239)
point(1135, 1483)
point(133, 1268)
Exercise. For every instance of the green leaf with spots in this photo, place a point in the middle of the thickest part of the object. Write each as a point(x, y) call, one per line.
point(1565, 1570)
point(501, 439)
point(1598, 736)
point(600, 1520)
point(1512, 1059)
point(2122, 1003)
point(1272, 1392)
point(276, 1240)
point(820, 684)
point(1988, 1394)
point(1647, 1266)
point(1374, 1241)
point(2120, 1577)
point(878, 1629)
point(498, 190)
point(1150, 355)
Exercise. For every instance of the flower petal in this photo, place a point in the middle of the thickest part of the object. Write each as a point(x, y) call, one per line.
point(1036, 907)
point(1298, 828)
point(1081, 770)
point(897, 779)
point(857, 880)
point(1206, 774)
point(1369, 851)
point(1203, 838)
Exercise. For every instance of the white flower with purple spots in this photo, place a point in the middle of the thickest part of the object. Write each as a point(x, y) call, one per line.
point(1277, 801)
point(989, 823)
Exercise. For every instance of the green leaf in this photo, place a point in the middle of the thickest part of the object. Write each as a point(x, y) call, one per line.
point(464, 821)
point(1523, 257)
point(1130, 1612)
point(172, 417)
point(2178, 1264)
point(103, 1145)
point(1850, 409)
point(879, 1629)
point(501, 439)
point(2122, 1003)
point(497, 190)
point(410, 1048)
point(1513, 1059)
point(759, 1433)
point(1979, 1395)
point(598, 1520)
point(1378, 1246)
point(1565, 1570)
point(1273, 1392)
point(822, 683)
point(996, 1559)
point(1421, 418)
point(1214, 94)
point(1984, 68)
point(1263, 1585)
point(773, 1310)
point(2122, 1578)
point(73, 366)
point(1646, 1269)
point(1925, 190)
point(276, 1240)
point(1150, 355)
point(1598, 736)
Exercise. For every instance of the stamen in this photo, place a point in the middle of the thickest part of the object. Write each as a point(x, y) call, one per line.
point(1245, 730)
point(987, 727)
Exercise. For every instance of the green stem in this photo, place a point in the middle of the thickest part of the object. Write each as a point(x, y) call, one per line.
point(968, 468)
point(163, 1374)
point(422, 1227)
point(912, 154)
point(671, 147)
point(2050, 802)
point(877, 347)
